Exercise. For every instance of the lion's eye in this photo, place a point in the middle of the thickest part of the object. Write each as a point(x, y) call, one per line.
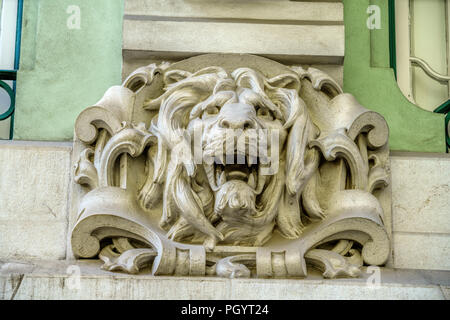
point(264, 112)
point(211, 110)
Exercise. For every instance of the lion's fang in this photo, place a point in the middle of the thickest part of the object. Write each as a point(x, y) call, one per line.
point(249, 161)
point(252, 180)
point(261, 181)
point(222, 179)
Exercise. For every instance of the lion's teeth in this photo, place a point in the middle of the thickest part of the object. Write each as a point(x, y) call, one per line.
point(252, 180)
point(240, 158)
point(263, 159)
point(249, 161)
point(219, 160)
point(217, 173)
point(230, 159)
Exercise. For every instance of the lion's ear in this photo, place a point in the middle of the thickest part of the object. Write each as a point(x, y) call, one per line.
point(175, 76)
point(286, 81)
point(283, 90)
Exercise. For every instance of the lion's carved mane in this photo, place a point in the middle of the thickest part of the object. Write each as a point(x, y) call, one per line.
point(194, 206)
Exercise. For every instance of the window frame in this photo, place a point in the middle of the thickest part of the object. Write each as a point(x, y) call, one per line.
point(402, 61)
point(11, 74)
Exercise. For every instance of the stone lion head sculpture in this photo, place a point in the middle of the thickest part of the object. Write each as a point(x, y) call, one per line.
point(233, 156)
point(195, 166)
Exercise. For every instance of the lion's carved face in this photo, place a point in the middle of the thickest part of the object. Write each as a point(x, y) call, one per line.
point(242, 123)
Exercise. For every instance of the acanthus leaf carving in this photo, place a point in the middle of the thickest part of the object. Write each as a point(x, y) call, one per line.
point(111, 113)
point(332, 264)
point(338, 144)
point(85, 171)
point(132, 141)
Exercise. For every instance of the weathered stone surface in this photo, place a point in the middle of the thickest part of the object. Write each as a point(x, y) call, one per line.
point(36, 239)
point(421, 210)
point(34, 199)
point(308, 43)
point(57, 280)
point(421, 192)
point(273, 11)
point(421, 251)
point(446, 292)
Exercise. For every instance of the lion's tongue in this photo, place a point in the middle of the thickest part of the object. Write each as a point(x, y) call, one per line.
point(237, 172)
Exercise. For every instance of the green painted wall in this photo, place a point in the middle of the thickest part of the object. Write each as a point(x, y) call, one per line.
point(64, 70)
point(368, 77)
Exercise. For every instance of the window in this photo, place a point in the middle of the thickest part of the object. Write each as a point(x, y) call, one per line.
point(423, 53)
point(10, 33)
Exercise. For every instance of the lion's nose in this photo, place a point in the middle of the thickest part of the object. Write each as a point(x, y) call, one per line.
point(243, 124)
point(237, 116)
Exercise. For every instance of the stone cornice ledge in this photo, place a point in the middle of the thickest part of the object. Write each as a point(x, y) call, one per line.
point(56, 281)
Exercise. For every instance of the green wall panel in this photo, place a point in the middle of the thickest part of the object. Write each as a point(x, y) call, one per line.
point(368, 77)
point(64, 70)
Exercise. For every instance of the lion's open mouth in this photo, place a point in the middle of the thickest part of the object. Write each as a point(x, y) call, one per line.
point(245, 169)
